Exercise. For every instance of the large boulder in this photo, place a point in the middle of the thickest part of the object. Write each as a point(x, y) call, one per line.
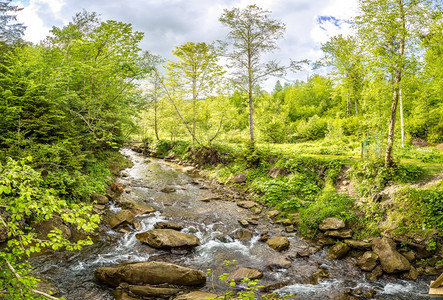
point(168, 239)
point(279, 243)
point(150, 273)
point(196, 295)
point(122, 217)
point(368, 261)
point(391, 261)
point(331, 224)
point(241, 273)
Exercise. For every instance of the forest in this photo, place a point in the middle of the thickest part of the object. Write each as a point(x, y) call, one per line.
point(372, 102)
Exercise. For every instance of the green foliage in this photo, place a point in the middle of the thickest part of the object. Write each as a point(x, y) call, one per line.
point(246, 289)
point(314, 129)
point(329, 204)
point(409, 173)
point(425, 205)
point(371, 177)
point(28, 201)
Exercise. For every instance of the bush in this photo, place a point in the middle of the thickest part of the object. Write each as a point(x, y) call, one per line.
point(371, 176)
point(314, 129)
point(329, 204)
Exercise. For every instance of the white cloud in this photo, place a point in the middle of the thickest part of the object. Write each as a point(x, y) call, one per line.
point(39, 16)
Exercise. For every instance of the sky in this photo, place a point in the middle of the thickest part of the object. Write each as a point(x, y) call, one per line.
point(169, 23)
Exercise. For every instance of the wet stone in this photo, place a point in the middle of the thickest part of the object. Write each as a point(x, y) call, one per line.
point(246, 204)
point(242, 234)
point(243, 222)
point(273, 213)
point(242, 273)
point(168, 189)
point(164, 225)
point(279, 243)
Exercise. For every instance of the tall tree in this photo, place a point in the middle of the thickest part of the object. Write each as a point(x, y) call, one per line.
point(344, 55)
point(195, 74)
point(252, 33)
point(10, 31)
point(154, 89)
point(390, 29)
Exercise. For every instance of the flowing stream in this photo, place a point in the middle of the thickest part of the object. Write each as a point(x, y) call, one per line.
point(215, 223)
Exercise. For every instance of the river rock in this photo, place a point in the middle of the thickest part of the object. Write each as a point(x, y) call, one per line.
point(411, 275)
point(360, 245)
point(197, 295)
point(246, 204)
point(121, 217)
point(241, 178)
point(241, 273)
point(410, 255)
point(117, 187)
point(45, 286)
point(243, 234)
point(391, 261)
point(319, 275)
point(243, 222)
point(340, 234)
point(120, 294)
point(153, 272)
point(141, 209)
point(273, 213)
point(164, 225)
point(338, 251)
point(281, 263)
point(376, 273)
point(168, 189)
point(44, 228)
point(279, 243)
point(368, 261)
point(100, 199)
point(151, 291)
point(168, 239)
point(331, 224)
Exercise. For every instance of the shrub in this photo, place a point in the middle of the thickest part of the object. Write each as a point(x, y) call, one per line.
point(329, 204)
point(314, 129)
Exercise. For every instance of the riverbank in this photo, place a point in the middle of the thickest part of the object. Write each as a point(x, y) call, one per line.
point(403, 205)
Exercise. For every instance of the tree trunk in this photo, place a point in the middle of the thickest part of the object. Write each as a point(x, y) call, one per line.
point(395, 97)
point(251, 102)
point(155, 120)
point(401, 121)
point(388, 154)
point(194, 100)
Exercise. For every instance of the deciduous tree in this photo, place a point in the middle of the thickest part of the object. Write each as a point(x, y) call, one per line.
point(252, 33)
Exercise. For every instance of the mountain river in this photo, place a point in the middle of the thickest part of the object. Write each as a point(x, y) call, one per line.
point(215, 223)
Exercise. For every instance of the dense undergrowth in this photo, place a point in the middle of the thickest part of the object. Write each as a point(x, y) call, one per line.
point(382, 200)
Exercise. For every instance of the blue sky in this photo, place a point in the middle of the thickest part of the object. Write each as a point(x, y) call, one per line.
point(169, 23)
